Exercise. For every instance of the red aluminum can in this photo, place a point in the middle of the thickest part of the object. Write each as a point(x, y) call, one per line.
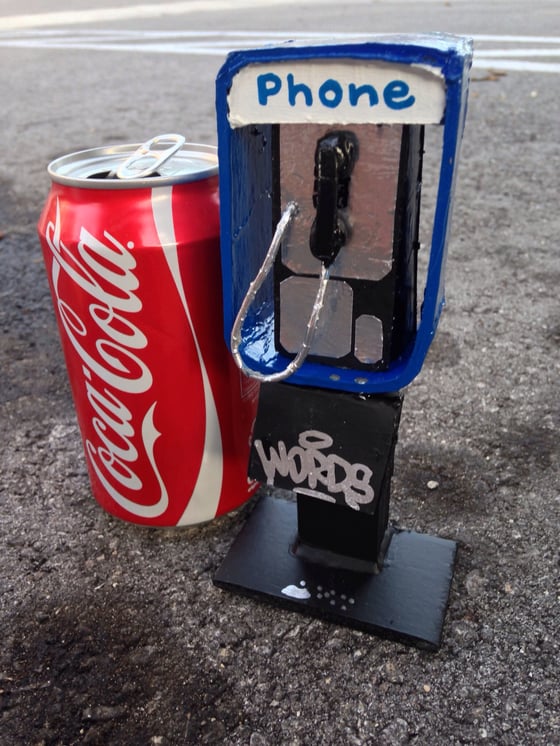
point(134, 269)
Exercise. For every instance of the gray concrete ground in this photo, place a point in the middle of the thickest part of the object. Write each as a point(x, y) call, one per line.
point(114, 634)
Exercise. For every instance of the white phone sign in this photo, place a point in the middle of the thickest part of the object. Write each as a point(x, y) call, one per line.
point(342, 91)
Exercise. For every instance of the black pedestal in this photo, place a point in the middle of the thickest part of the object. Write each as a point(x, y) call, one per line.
point(406, 600)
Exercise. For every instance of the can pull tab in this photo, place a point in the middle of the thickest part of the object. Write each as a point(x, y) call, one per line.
point(335, 156)
point(156, 151)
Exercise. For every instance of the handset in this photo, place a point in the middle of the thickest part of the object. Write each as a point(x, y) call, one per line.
point(335, 156)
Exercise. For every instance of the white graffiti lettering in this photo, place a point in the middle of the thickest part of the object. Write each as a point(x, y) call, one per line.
point(103, 271)
point(306, 463)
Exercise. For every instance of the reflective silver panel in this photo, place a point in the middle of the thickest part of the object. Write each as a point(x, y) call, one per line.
point(367, 253)
point(368, 343)
point(334, 330)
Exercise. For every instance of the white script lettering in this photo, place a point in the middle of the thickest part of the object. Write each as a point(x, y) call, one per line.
point(102, 269)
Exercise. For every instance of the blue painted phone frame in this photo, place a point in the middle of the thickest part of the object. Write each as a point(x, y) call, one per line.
point(453, 56)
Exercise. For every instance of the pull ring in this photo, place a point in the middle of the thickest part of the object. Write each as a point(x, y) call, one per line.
point(147, 150)
point(254, 287)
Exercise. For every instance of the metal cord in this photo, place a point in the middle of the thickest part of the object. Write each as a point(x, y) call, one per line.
point(268, 263)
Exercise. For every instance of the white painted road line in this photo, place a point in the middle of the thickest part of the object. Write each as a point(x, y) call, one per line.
point(538, 56)
point(152, 10)
point(519, 66)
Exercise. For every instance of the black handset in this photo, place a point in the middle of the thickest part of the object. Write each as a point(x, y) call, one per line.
point(335, 156)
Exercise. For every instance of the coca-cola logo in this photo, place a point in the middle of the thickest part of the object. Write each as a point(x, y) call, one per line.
point(108, 342)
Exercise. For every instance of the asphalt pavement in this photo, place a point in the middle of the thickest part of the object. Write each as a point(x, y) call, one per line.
point(115, 634)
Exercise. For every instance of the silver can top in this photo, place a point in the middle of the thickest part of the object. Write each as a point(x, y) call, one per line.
point(162, 161)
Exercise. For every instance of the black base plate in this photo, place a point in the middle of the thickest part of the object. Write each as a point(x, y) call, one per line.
point(406, 601)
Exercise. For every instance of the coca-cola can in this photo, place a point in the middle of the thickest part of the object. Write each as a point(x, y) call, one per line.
point(130, 239)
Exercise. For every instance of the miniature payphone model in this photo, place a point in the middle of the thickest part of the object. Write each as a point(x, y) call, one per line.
point(321, 152)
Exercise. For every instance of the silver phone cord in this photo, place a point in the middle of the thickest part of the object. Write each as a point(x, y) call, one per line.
point(254, 286)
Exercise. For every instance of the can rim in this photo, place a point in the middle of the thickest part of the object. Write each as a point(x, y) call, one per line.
point(63, 170)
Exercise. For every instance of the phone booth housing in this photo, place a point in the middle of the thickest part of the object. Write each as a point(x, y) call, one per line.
point(320, 150)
